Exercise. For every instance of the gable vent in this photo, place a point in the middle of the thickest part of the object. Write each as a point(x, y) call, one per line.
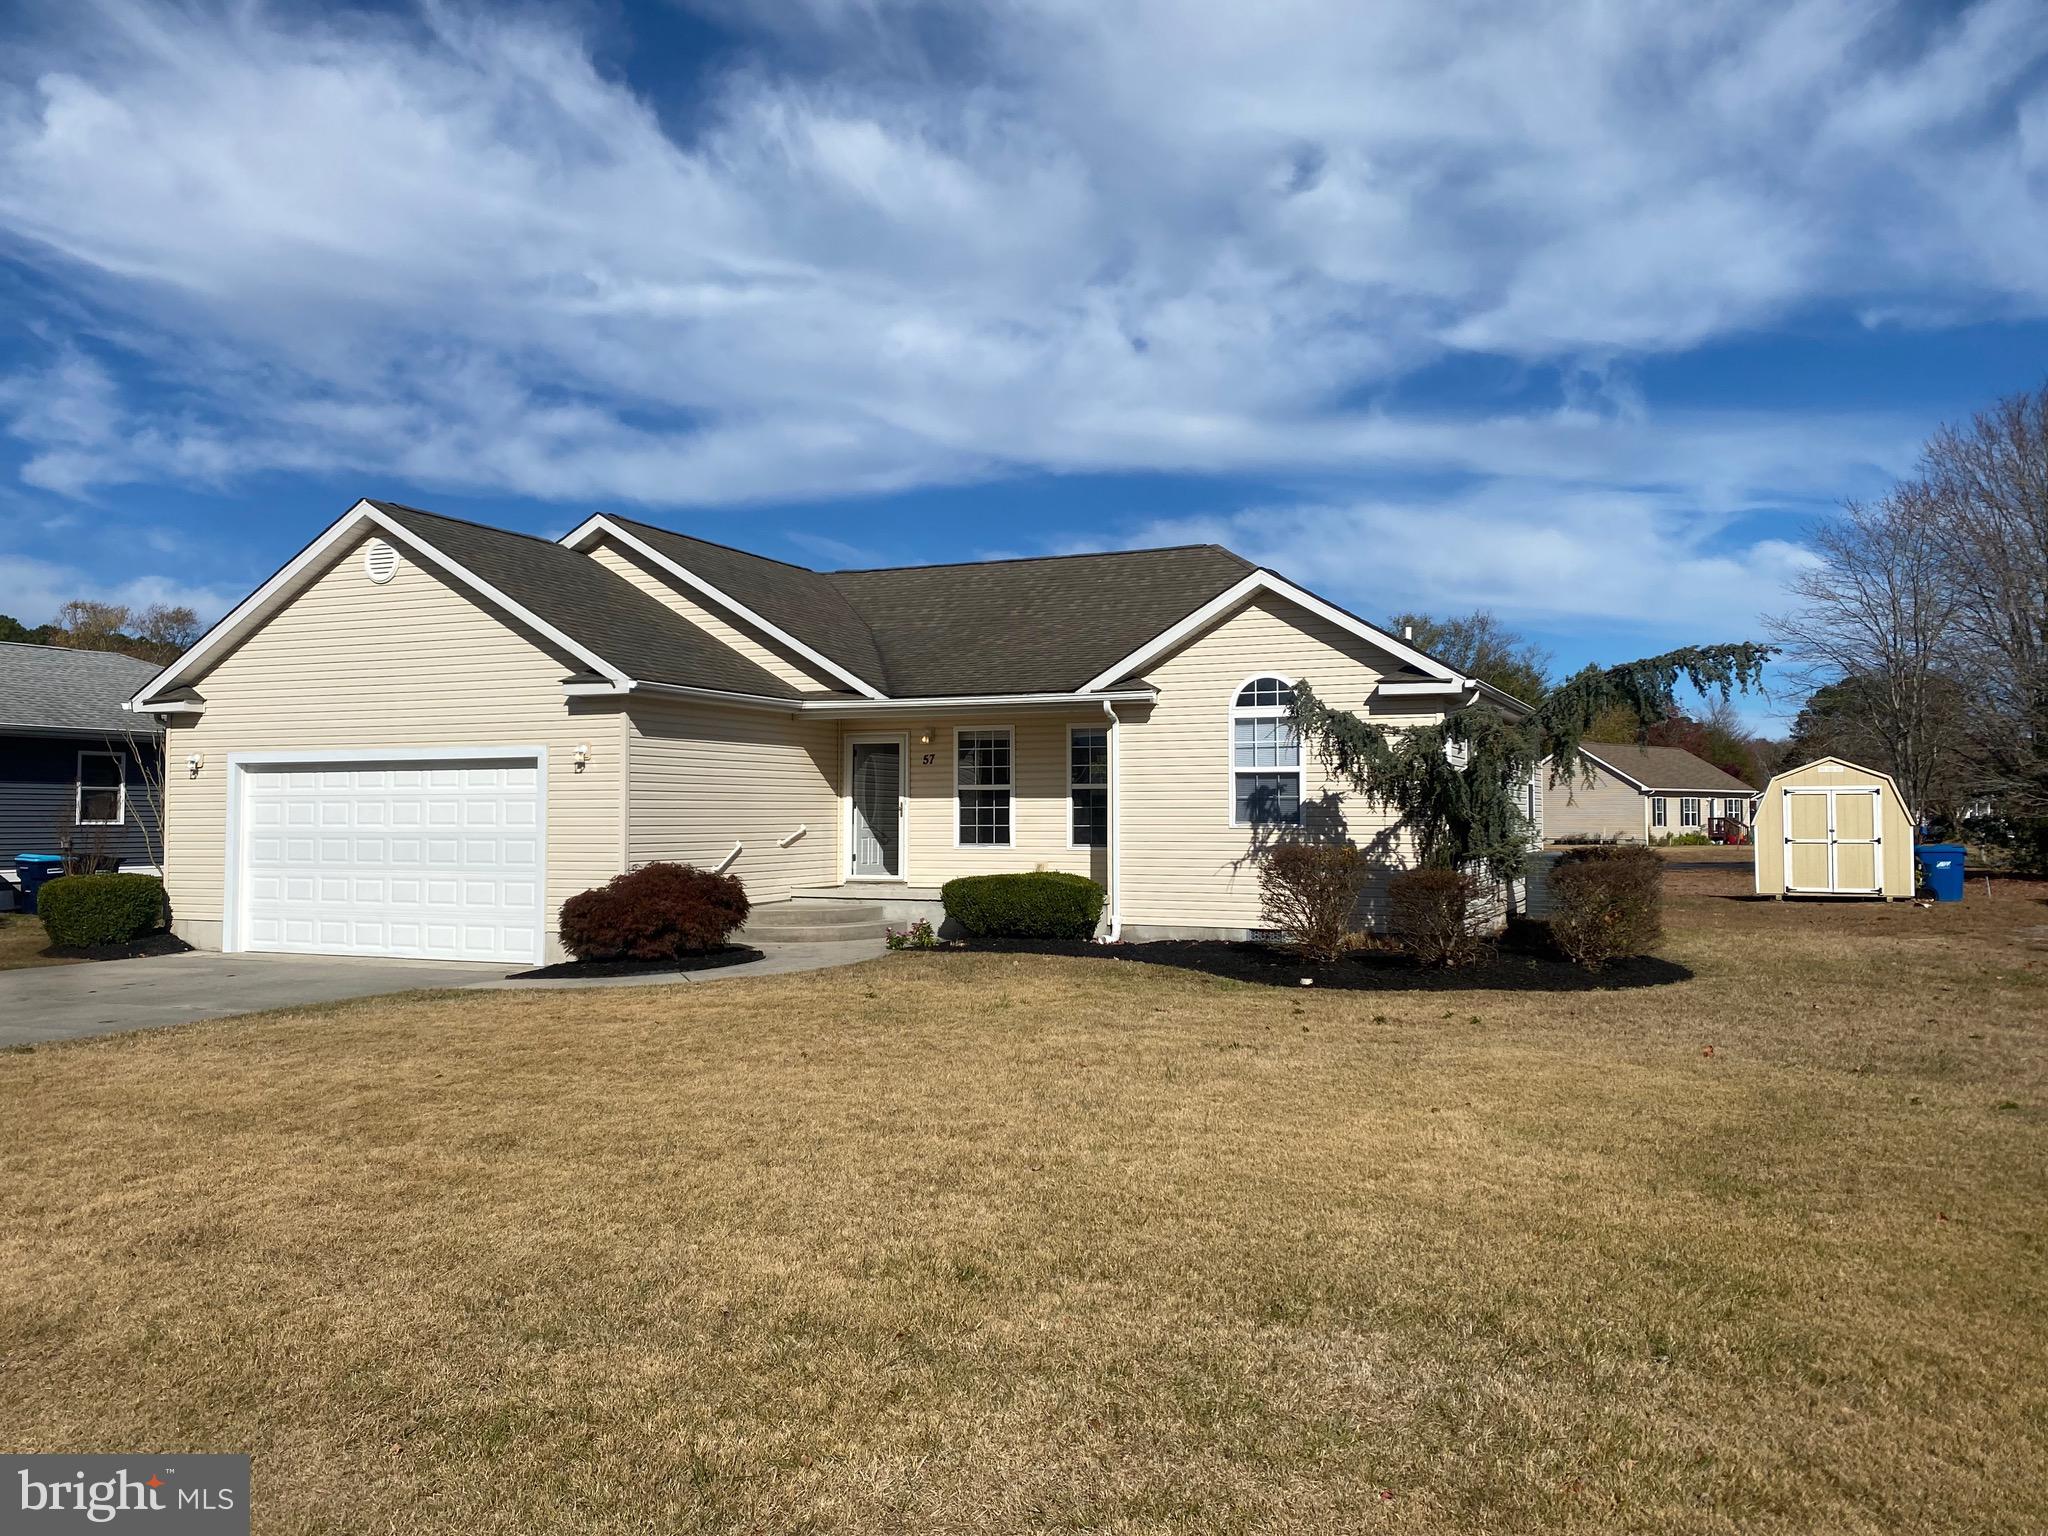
point(380, 561)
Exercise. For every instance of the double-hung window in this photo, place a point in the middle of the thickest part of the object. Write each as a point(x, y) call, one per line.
point(1658, 813)
point(1689, 810)
point(1265, 756)
point(982, 786)
point(102, 799)
point(1738, 809)
point(1088, 786)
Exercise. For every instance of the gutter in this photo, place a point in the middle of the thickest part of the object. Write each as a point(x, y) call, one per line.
point(855, 708)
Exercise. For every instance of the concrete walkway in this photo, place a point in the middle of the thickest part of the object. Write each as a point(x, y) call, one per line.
point(70, 1002)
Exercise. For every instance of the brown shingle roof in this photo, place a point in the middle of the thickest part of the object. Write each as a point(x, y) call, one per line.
point(1665, 769)
point(1029, 626)
point(796, 600)
point(637, 633)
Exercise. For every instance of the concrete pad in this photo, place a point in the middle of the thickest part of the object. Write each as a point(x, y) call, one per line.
point(105, 997)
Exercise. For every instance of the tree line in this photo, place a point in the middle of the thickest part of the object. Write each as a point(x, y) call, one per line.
point(1921, 632)
point(159, 633)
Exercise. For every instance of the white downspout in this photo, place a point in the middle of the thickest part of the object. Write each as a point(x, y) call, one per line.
point(1116, 828)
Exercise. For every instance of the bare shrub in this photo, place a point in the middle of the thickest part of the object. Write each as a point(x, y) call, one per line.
point(1433, 915)
point(1607, 903)
point(1309, 891)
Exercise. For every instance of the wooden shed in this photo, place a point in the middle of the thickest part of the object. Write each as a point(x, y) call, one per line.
point(1833, 828)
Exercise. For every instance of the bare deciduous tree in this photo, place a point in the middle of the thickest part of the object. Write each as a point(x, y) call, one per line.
point(1875, 621)
point(1989, 480)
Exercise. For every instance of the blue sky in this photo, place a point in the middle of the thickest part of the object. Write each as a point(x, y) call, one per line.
point(1583, 313)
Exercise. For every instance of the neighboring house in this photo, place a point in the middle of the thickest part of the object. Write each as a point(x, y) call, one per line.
point(70, 777)
point(1641, 794)
point(421, 735)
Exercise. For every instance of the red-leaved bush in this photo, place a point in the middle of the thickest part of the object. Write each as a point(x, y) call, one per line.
point(656, 912)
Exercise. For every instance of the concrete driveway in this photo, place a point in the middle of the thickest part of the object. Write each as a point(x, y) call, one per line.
point(67, 1002)
point(70, 1002)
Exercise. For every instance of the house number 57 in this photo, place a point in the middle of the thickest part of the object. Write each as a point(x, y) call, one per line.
point(930, 758)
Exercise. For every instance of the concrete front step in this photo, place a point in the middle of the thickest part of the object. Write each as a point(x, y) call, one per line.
point(796, 923)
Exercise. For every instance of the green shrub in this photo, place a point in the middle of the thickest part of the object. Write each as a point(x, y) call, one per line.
point(1039, 904)
point(79, 911)
point(1607, 903)
point(1309, 891)
point(656, 912)
point(1683, 840)
point(1433, 917)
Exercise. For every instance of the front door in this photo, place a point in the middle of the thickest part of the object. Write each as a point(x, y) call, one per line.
point(877, 810)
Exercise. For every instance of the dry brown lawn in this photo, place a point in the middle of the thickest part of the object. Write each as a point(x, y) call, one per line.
point(1021, 1244)
point(22, 941)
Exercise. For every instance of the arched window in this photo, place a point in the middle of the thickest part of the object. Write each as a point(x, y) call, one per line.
point(1265, 755)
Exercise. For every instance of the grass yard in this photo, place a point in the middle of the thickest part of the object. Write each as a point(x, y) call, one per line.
point(22, 941)
point(1022, 1244)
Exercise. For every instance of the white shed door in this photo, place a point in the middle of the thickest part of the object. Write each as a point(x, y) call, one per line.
point(438, 860)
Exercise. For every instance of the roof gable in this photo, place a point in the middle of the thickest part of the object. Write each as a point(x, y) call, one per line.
point(595, 617)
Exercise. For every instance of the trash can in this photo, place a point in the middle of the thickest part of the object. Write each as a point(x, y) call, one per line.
point(36, 870)
point(1941, 869)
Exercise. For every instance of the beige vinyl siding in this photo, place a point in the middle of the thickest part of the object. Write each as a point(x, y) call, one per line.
point(1607, 808)
point(706, 777)
point(352, 666)
point(765, 653)
point(1183, 862)
point(1038, 800)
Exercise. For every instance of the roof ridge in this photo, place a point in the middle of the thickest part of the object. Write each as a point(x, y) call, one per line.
point(731, 549)
point(468, 522)
point(1079, 554)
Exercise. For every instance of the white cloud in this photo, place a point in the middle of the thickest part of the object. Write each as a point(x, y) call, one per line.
point(1189, 235)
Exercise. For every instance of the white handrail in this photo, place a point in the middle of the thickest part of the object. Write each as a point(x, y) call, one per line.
point(799, 832)
point(726, 863)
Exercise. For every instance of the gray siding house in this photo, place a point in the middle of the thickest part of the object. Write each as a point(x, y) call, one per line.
point(71, 779)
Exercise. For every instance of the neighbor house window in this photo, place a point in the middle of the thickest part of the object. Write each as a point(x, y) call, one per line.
point(1736, 808)
point(1265, 756)
point(982, 785)
point(1658, 813)
point(102, 790)
point(1088, 786)
point(1689, 811)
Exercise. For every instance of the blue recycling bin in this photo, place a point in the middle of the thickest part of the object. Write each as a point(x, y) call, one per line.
point(34, 871)
point(1941, 869)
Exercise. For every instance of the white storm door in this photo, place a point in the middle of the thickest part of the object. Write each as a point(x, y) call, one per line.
point(432, 860)
point(877, 809)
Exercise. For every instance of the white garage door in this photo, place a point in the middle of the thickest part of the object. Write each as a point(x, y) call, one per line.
point(433, 860)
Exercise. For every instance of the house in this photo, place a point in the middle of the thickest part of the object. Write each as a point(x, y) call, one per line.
point(1642, 794)
point(74, 764)
point(423, 734)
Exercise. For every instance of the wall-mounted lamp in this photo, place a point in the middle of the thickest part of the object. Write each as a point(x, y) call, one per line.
point(582, 755)
point(194, 761)
point(924, 737)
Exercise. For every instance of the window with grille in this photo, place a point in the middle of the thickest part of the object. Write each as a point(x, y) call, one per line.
point(1088, 786)
point(982, 787)
point(1689, 811)
point(1265, 756)
point(1658, 813)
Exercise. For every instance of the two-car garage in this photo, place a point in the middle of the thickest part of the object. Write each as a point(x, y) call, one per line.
point(428, 857)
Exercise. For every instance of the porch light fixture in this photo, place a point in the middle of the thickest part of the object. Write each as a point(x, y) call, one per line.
point(582, 755)
point(194, 761)
point(924, 737)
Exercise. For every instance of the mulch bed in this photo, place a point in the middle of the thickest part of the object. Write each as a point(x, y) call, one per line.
point(134, 949)
point(710, 960)
point(1505, 969)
